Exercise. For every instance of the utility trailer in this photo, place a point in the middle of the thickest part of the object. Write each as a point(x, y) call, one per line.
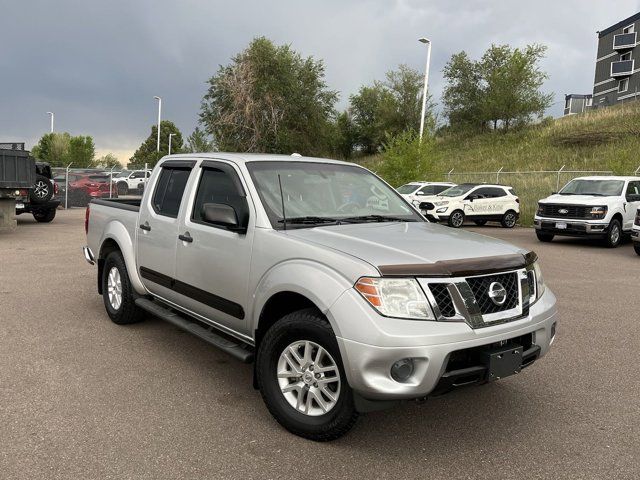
point(17, 172)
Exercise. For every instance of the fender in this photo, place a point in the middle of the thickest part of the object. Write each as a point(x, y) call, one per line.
point(117, 232)
point(317, 282)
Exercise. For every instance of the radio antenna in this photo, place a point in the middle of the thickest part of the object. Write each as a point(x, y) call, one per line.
point(284, 215)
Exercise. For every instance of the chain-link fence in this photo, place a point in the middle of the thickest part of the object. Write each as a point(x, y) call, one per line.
point(530, 186)
point(76, 187)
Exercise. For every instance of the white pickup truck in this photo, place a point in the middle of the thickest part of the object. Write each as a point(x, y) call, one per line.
point(595, 207)
point(347, 299)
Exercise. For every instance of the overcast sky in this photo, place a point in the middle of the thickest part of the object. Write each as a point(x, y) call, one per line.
point(97, 65)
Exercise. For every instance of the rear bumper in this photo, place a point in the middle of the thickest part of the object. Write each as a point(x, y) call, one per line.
point(30, 208)
point(574, 228)
point(88, 255)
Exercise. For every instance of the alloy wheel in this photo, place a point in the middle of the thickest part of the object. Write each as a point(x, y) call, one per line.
point(41, 189)
point(114, 288)
point(309, 378)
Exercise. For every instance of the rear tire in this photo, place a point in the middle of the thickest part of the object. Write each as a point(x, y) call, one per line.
point(613, 236)
point(290, 399)
point(45, 216)
point(544, 237)
point(117, 292)
point(456, 219)
point(509, 219)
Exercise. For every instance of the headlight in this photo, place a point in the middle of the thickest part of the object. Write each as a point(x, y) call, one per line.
point(442, 210)
point(540, 209)
point(598, 212)
point(536, 282)
point(396, 297)
point(439, 204)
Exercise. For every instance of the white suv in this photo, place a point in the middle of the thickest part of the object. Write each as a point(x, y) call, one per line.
point(127, 181)
point(481, 203)
point(597, 207)
point(416, 190)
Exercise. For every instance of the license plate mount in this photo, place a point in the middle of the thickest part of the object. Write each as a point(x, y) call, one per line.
point(561, 225)
point(503, 361)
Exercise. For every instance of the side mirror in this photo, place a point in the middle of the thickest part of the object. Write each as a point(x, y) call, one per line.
point(471, 198)
point(420, 193)
point(222, 215)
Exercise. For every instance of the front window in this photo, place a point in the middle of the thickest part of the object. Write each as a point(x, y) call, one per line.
point(325, 193)
point(122, 174)
point(457, 191)
point(600, 188)
point(407, 189)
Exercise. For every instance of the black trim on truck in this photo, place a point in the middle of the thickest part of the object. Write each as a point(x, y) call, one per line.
point(210, 299)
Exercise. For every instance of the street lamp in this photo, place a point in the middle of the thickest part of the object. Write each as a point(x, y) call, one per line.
point(426, 82)
point(51, 115)
point(170, 135)
point(159, 117)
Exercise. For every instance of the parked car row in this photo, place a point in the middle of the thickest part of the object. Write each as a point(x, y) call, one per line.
point(83, 187)
point(602, 207)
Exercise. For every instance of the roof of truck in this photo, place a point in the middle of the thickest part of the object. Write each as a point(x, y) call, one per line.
point(252, 157)
point(608, 177)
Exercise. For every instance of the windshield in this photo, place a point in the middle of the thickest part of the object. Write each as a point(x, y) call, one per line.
point(124, 173)
point(407, 188)
point(326, 193)
point(601, 188)
point(456, 191)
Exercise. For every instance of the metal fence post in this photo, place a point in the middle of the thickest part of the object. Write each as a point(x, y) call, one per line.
point(558, 181)
point(111, 181)
point(66, 187)
point(498, 175)
point(449, 174)
point(146, 166)
point(637, 170)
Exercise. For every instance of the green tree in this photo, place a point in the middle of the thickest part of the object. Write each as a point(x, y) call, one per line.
point(269, 99)
point(81, 152)
point(53, 148)
point(199, 142)
point(108, 162)
point(499, 90)
point(389, 107)
point(405, 158)
point(146, 153)
point(345, 135)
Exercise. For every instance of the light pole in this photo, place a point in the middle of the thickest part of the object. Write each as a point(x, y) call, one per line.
point(51, 115)
point(159, 117)
point(170, 135)
point(426, 82)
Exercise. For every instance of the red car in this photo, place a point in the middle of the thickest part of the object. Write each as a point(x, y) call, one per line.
point(85, 186)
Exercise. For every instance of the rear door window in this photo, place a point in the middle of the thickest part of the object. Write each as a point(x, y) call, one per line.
point(169, 190)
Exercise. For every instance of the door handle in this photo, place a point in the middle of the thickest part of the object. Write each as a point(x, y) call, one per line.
point(145, 226)
point(186, 237)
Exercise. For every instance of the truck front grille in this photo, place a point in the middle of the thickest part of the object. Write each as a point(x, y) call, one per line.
point(481, 287)
point(427, 206)
point(443, 299)
point(564, 211)
point(637, 222)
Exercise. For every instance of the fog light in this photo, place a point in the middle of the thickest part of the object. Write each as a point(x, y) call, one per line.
point(402, 370)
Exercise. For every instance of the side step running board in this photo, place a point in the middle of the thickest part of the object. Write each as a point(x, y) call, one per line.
point(235, 348)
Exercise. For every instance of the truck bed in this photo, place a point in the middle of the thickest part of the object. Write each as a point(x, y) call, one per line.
point(108, 217)
point(131, 204)
point(17, 169)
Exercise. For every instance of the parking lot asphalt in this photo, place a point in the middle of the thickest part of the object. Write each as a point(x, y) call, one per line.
point(83, 398)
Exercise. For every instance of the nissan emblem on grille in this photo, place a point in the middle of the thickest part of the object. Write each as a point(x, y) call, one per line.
point(497, 293)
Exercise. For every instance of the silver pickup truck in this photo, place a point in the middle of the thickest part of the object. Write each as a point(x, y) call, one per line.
point(343, 296)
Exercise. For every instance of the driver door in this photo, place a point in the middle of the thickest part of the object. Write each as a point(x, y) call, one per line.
point(633, 203)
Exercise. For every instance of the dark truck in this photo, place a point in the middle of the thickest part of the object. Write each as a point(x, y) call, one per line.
point(25, 186)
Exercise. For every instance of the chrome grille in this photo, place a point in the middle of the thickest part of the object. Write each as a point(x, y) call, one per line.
point(637, 222)
point(480, 288)
point(443, 299)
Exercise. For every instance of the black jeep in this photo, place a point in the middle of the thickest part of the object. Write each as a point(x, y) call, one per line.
point(39, 200)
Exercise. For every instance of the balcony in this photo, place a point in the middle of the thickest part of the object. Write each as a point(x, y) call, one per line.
point(624, 41)
point(623, 68)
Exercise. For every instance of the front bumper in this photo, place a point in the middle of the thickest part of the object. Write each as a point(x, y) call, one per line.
point(574, 228)
point(635, 234)
point(369, 352)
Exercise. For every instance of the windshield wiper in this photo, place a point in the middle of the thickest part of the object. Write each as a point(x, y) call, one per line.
point(309, 220)
point(375, 218)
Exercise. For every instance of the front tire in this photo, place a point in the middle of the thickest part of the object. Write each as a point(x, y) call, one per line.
point(614, 234)
point(45, 216)
point(636, 247)
point(544, 237)
point(509, 219)
point(117, 292)
point(301, 377)
point(456, 219)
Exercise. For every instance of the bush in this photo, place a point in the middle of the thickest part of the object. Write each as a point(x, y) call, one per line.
point(404, 159)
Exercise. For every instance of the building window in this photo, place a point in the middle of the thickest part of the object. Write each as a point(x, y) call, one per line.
point(623, 85)
point(625, 56)
point(588, 102)
point(629, 29)
point(567, 102)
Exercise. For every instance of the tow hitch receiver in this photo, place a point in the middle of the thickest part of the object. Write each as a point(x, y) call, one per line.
point(502, 361)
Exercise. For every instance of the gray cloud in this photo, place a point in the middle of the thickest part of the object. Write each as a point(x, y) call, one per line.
point(98, 65)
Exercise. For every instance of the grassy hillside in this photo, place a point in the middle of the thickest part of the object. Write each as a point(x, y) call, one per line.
point(605, 139)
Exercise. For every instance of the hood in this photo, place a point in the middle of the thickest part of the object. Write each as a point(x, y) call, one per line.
point(404, 243)
point(578, 199)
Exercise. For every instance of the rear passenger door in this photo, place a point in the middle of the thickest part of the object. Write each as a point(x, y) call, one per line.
point(212, 265)
point(157, 232)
